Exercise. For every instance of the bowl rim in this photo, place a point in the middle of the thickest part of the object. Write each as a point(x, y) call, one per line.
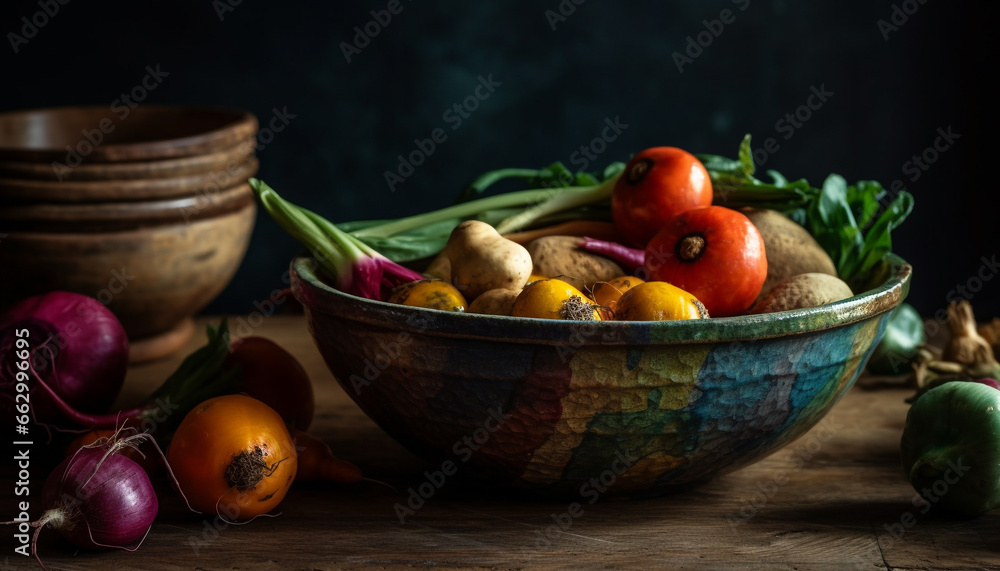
point(241, 126)
point(317, 296)
point(124, 215)
point(90, 194)
point(171, 167)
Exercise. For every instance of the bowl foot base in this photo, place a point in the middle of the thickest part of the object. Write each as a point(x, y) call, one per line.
point(161, 345)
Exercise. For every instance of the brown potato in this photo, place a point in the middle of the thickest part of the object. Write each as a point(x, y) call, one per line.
point(559, 257)
point(803, 290)
point(481, 260)
point(790, 249)
point(440, 267)
point(494, 302)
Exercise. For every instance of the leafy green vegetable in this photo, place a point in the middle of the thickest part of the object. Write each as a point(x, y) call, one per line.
point(853, 223)
point(555, 192)
point(897, 350)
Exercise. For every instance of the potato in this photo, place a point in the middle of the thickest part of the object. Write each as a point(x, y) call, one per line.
point(803, 290)
point(494, 302)
point(481, 260)
point(790, 249)
point(559, 257)
point(440, 267)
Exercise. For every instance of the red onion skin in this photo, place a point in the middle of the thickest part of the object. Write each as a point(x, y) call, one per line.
point(113, 507)
point(630, 259)
point(989, 382)
point(91, 353)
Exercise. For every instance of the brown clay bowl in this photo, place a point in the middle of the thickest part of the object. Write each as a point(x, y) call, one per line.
point(101, 193)
point(114, 216)
point(73, 136)
point(153, 278)
point(222, 160)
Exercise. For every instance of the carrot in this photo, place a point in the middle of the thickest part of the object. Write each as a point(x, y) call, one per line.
point(317, 462)
point(593, 228)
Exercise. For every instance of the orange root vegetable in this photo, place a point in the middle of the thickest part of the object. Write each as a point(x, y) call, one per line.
point(593, 228)
point(317, 462)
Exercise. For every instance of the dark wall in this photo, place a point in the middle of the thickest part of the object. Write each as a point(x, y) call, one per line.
point(894, 76)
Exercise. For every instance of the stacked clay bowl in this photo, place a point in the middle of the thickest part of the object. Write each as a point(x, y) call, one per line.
point(146, 209)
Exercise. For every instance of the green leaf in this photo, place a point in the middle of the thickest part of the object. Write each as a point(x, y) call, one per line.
point(613, 170)
point(832, 223)
point(746, 157)
point(878, 240)
point(777, 179)
point(865, 198)
point(842, 218)
point(416, 244)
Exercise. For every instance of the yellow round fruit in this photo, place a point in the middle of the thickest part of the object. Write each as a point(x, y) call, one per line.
point(431, 293)
point(658, 301)
point(554, 299)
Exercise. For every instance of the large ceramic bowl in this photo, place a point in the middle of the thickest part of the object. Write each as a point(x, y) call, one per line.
point(554, 405)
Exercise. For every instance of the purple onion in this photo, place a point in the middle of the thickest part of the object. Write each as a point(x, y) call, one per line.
point(99, 499)
point(75, 347)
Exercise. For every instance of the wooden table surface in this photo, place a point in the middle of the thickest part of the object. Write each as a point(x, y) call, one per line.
point(834, 499)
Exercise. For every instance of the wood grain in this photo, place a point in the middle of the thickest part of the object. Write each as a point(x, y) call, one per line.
point(834, 499)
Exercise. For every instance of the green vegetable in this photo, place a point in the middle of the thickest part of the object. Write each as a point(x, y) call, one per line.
point(554, 193)
point(896, 352)
point(355, 266)
point(951, 447)
point(848, 221)
point(852, 222)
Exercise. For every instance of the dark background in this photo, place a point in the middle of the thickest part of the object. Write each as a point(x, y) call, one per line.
point(892, 90)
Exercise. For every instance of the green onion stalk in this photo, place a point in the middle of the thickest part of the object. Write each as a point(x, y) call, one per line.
point(851, 222)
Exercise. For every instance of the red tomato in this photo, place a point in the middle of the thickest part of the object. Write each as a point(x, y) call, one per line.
point(715, 253)
point(658, 184)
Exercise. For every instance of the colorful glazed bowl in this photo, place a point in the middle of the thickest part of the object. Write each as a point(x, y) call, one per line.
point(553, 405)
